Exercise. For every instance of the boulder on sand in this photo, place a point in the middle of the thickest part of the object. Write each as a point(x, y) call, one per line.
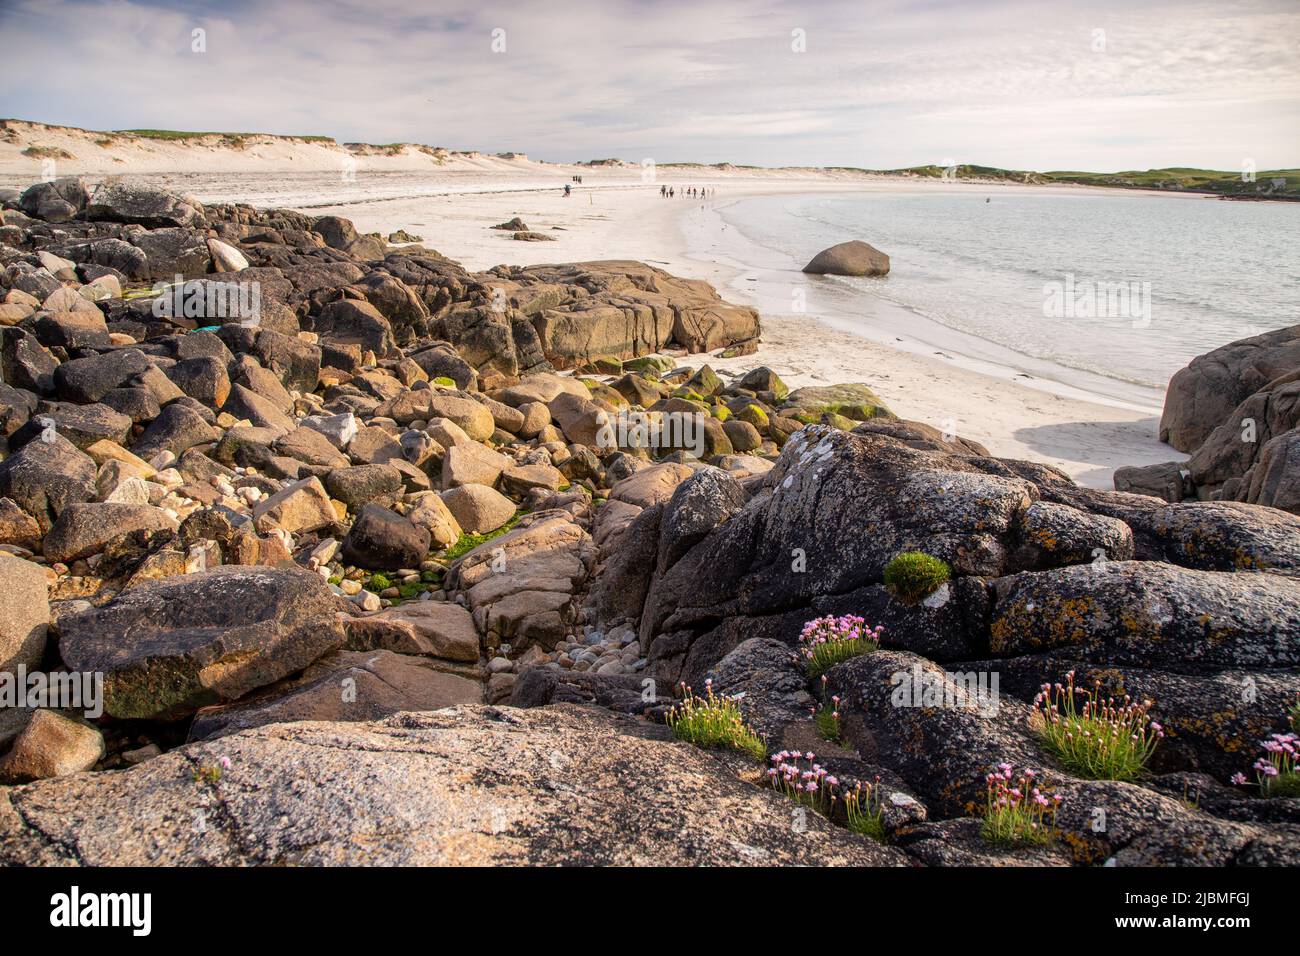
point(849, 259)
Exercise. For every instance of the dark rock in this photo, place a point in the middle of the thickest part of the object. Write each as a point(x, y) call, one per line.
point(383, 540)
point(849, 259)
point(168, 647)
point(43, 478)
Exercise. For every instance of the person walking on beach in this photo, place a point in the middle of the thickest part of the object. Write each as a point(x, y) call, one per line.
point(566, 190)
point(663, 191)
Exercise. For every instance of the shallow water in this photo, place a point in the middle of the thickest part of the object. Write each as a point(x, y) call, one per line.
point(1217, 271)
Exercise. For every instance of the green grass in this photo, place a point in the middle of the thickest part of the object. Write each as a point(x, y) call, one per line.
point(914, 575)
point(715, 722)
point(865, 814)
point(1227, 183)
point(468, 542)
point(1093, 736)
point(179, 134)
point(828, 723)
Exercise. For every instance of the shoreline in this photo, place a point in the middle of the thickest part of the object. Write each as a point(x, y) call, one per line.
point(613, 215)
point(1087, 434)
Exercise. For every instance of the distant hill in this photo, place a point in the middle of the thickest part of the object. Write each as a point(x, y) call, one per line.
point(1267, 184)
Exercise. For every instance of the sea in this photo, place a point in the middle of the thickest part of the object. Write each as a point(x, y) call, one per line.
point(1107, 292)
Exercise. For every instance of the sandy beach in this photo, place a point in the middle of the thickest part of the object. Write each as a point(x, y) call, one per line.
point(1087, 435)
point(451, 199)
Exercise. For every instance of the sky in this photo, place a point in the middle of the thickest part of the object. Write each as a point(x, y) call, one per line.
point(1103, 86)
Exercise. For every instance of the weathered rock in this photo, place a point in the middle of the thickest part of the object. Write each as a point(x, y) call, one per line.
point(89, 379)
point(56, 201)
point(345, 686)
point(1145, 613)
point(802, 538)
point(349, 322)
point(472, 464)
point(395, 792)
point(432, 628)
point(51, 745)
point(44, 477)
point(298, 507)
point(521, 585)
point(852, 401)
point(177, 429)
point(359, 484)
point(87, 528)
point(432, 514)
point(150, 206)
point(1203, 395)
point(477, 508)
point(168, 647)
point(24, 613)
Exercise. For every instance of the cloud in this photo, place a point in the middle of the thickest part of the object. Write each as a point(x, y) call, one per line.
point(1101, 85)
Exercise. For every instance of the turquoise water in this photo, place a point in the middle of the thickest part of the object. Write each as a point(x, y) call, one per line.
point(1217, 271)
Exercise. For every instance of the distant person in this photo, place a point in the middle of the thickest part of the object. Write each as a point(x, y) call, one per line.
point(567, 190)
point(663, 191)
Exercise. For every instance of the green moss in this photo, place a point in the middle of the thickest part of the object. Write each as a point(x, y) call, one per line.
point(444, 381)
point(379, 582)
point(468, 542)
point(914, 575)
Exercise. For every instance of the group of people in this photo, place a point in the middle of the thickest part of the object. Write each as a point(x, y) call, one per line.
point(688, 192)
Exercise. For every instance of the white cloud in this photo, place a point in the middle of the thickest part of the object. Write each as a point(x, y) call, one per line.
point(881, 84)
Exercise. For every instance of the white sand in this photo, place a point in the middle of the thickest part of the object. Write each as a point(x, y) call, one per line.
point(1086, 435)
point(451, 200)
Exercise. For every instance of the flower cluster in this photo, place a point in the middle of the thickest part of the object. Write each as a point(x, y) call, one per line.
point(714, 720)
point(826, 641)
point(1020, 809)
point(803, 781)
point(809, 784)
point(1278, 770)
point(1101, 738)
point(211, 773)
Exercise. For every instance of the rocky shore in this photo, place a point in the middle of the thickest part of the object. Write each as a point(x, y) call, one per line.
point(381, 560)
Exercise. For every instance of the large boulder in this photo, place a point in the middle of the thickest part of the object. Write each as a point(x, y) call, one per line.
point(852, 258)
point(44, 477)
point(1149, 614)
point(1203, 395)
point(472, 785)
point(55, 201)
point(385, 541)
point(803, 537)
point(169, 647)
point(145, 205)
point(352, 322)
point(87, 528)
point(345, 686)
